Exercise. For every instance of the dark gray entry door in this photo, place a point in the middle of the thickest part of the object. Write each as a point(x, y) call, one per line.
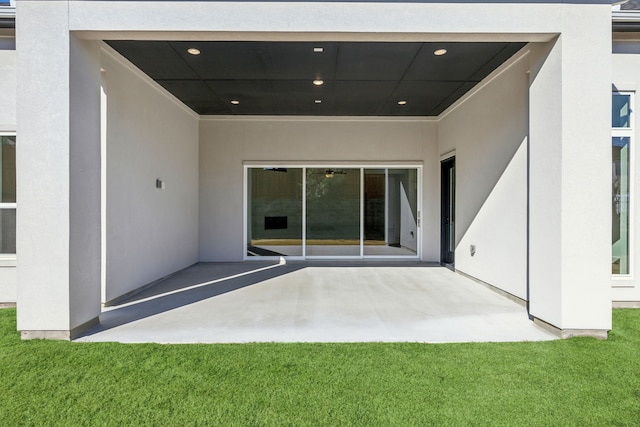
point(448, 212)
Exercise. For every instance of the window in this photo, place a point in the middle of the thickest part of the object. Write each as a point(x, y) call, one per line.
point(7, 194)
point(621, 144)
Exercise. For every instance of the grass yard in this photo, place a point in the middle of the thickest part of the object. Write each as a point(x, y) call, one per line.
point(579, 382)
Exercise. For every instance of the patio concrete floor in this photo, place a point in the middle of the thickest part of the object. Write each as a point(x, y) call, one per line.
point(316, 302)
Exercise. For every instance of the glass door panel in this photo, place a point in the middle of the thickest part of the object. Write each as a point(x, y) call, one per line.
point(332, 212)
point(274, 212)
point(391, 212)
point(375, 190)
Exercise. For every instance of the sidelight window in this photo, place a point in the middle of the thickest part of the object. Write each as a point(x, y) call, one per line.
point(7, 194)
point(622, 132)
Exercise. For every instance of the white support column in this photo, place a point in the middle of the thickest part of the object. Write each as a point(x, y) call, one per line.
point(58, 168)
point(569, 178)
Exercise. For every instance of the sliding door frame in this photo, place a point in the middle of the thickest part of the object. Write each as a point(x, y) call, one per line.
point(334, 165)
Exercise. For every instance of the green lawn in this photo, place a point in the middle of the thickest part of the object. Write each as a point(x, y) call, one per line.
point(579, 382)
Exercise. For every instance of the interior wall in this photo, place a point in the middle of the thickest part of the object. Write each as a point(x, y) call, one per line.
point(489, 135)
point(8, 275)
point(626, 63)
point(225, 143)
point(150, 232)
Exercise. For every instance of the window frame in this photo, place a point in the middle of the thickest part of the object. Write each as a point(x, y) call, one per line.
point(627, 132)
point(8, 260)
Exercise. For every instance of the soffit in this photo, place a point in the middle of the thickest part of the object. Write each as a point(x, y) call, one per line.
point(275, 78)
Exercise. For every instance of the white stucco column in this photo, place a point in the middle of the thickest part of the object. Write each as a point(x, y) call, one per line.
point(570, 175)
point(58, 173)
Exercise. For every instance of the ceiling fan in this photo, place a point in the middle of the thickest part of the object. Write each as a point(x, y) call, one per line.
point(330, 173)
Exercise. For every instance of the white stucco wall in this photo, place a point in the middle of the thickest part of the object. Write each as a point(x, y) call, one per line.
point(625, 66)
point(225, 143)
point(150, 232)
point(8, 276)
point(58, 174)
point(8, 285)
point(570, 174)
point(488, 132)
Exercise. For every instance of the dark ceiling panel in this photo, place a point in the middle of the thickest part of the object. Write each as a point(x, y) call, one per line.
point(298, 61)
point(258, 61)
point(156, 58)
point(271, 97)
point(374, 61)
point(507, 52)
point(225, 60)
point(188, 90)
point(214, 107)
point(275, 78)
point(453, 97)
point(365, 97)
point(459, 64)
point(421, 97)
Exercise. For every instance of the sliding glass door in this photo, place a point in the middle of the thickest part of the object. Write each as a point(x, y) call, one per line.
point(274, 207)
point(333, 212)
point(391, 212)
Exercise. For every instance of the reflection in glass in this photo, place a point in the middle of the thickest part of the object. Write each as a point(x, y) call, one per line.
point(620, 110)
point(391, 212)
point(274, 212)
point(333, 212)
point(8, 172)
point(374, 207)
point(620, 206)
point(7, 231)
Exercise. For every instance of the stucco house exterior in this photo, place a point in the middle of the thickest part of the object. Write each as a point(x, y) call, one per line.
point(495, 137)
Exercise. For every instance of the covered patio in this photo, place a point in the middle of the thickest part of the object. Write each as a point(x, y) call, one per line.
point(137, 163)
point(315, 302)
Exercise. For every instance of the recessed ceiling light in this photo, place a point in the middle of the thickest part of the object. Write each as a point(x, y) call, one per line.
point(440, 52)
point(318, 49)
point(318, 101)
point(193, 51)
point(235, 102)
point(318, 82)
point(402, 102)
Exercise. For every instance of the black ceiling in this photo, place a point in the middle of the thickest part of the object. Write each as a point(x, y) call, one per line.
point(275, 78)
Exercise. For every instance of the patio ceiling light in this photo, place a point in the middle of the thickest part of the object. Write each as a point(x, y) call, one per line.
point(402, 102)
point(193, 51)
point(235, 102)
point(440, 52)
point(318, 82)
